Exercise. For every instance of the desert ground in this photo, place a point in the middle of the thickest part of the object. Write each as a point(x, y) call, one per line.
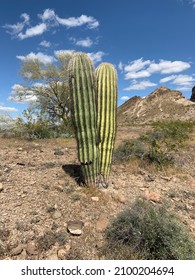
point(40, 194)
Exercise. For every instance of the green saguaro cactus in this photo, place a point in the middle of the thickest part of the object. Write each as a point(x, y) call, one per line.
point(106, 117)
point(84, 114)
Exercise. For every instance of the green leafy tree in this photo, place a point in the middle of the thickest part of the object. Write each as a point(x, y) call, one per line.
point(47, 85)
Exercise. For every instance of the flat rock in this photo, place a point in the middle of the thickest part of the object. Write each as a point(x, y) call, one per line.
point(153, 196)
point(56, 215)
point(75, 227)
point(17, 250)
point(31, 248)
point(118, 197)
point(95, 198)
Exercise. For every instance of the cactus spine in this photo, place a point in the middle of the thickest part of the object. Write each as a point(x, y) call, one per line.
point(83, 91)
point(106, 121)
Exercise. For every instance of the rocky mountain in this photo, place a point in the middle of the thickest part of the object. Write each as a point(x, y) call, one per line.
point(163, 103)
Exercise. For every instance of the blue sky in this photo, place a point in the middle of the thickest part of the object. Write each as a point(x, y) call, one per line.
point(151, 42)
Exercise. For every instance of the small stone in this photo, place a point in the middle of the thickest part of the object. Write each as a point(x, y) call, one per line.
point(31, 248)
point(102, 223)
point(118, 198)
point(17, 250)
point(149, 178)
point(153, 196)
point(63, 252)
point(56, 215)
point(58, 152)
point(166, 178)
point(75, 227)
point(20, 149)
point(52, 257)
point(1, 187)
point(95, 198)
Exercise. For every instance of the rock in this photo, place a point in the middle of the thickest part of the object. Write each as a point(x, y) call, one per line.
point(31, 248)
point(56, 215)
point(63, 252)
point(166, 178)
point(1, 187)
point(17, 250)
point(192, 98)
point(58, 152)
point(149, 178)
point(102, 223)
point(75, 227)
point(52, 257)
point(118, 198)
point(95, 198)
point(153, 196)
point(20, 149)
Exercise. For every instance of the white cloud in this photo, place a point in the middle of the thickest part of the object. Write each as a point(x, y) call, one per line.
point(125, 97)
point(45, 44)
point(8, 109)
point(120, 66)
point(168, 67)
point(48, 19)
point(137, 75)
point(96, 57)
point(14, 29)
point(33, 31)
point(140, 68)
point(48, 14)
point(183, 80)
point(91, 22)
point(136, 65)
point(86, 43)
point(193, 3)
point(168, 79)
point(43, 58)
point(135, 85)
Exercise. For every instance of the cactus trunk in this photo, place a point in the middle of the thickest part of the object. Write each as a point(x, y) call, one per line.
point(83, 91)
point(106, 119)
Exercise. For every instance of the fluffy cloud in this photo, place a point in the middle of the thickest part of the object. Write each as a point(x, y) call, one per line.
point(91, 22)
point(45, 44)
point(43, 58)
point(135, 85)
point(96, 57)
point(33, 31)
point(124, 98)
point(8, 109)
point(179, 80)
point(168, 67)
point(63, 52)
point(14, 29)
point(48, 19)
point(86, 43)
point(143, 69)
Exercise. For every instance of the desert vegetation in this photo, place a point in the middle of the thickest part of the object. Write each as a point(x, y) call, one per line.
point(145, 212)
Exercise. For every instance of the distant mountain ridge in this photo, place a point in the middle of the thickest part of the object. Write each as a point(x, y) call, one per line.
point(162, 103)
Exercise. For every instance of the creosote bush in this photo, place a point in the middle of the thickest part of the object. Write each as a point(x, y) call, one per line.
point(147, 231)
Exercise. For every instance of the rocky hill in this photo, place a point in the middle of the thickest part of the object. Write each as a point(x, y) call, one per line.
point(162, 103)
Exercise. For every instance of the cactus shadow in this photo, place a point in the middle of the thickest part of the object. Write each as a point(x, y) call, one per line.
point(74, 171)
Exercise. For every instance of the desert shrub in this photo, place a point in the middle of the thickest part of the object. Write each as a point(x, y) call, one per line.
point(130, 149)
point(158, 145)
point(175, 130)
point(146, 231)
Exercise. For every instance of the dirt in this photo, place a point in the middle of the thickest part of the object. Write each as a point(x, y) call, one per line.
point(40, 193)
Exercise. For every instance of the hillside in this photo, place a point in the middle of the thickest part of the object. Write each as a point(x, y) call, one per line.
point(162, 103)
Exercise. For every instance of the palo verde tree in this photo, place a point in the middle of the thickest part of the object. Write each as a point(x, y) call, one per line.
point(47, 85)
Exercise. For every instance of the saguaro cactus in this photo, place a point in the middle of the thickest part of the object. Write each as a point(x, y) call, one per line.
point(106, 117)
point(84, 114)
